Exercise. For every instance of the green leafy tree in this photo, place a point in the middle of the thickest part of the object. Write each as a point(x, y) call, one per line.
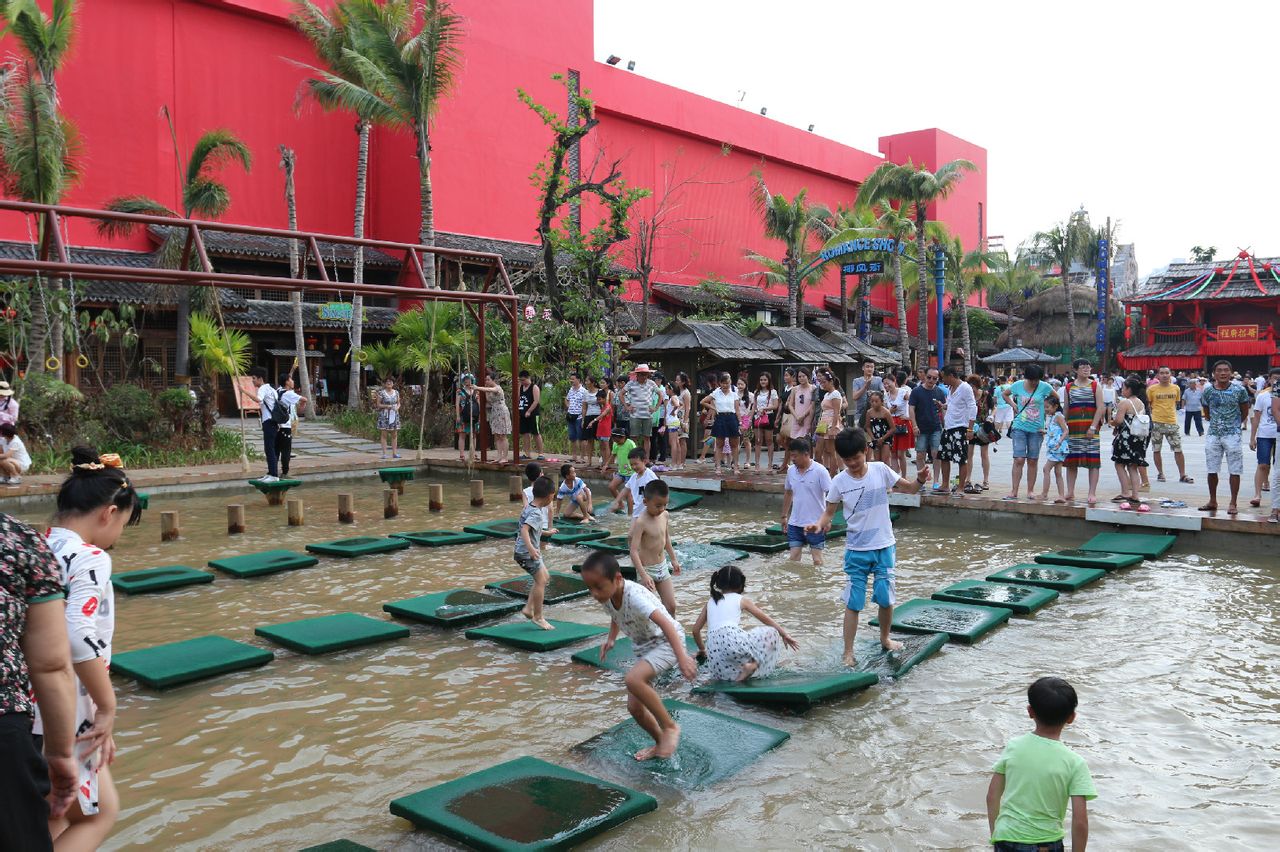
point(964, 277)
point(429, 340)
point(1062, 244)
point(220, 352)
point(795, 223)
point(1202, 254)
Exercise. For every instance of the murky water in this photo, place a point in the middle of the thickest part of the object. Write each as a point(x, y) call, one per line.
point(1175, 662)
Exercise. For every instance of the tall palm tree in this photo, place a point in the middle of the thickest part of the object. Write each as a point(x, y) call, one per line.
point(203, 197)
point(794, 223)
point(912, 189)
point(1062, 244)
point(893, 223)
point(289, 163)
point(964, 272)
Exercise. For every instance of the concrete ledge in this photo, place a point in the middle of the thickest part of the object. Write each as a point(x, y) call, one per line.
point(910, 501)
point(1144, 519)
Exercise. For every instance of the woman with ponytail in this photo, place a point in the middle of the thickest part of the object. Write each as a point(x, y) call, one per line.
point(732, 653)
point(95, 503)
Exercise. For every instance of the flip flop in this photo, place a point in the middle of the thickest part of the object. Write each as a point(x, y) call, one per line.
point(1124, 506)
point(1119, 498)
point(1273, 519)
point(1060, 501)
point(1143, 507)
point(1233, 511)
point(1188, 480)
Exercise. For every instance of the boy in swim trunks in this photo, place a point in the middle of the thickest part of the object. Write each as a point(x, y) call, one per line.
point(652, 555)
point(657, 640)
point(528, 553)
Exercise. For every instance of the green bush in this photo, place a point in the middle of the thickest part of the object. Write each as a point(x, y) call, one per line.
point(177, 408)
point(128, 412)
point(225, 450)
point(51, 410)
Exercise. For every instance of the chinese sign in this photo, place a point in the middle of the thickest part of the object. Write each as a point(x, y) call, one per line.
point(1104, 269)
point(885, 244)
point(1237, 332)
point(863, 267)
point(335, 311)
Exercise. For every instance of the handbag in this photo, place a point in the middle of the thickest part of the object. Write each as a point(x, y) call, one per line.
point(1140, 426)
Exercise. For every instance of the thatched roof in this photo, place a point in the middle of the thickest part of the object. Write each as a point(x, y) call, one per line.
point(799, 345)
point(682, 336)
point(1041, 321)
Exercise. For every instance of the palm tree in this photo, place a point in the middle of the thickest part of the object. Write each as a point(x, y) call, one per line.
point(902, 229)
point(289, 162)
point(429, 344)
point(221, 352)
point(793, 222)
point(203, 197)
point(1062, 244)
point(913, 188)
point(964, 272)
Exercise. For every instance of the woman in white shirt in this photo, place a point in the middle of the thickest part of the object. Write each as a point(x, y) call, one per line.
point(896, 398)
point(726, 403)
point(764, 410)
point(14, 458)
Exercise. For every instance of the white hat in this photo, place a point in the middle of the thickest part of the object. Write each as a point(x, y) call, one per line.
point(641, 368)
point(5, 390)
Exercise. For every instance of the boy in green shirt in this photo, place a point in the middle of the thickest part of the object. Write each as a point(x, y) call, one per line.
point(1037, 775)
point(622, 447)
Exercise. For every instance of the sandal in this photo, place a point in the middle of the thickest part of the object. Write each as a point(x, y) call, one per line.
point(1060, 502)
point(1209, 507)
point(1119, 498)
point(1274, 519)
point(1188, 480)
point(1255, 502)
point(1143, 507)
point(1124, 506)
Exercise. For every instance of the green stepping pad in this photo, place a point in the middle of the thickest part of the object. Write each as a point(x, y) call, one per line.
point(266, 562)
point(916, 648)
point(495, 529)
point(144, 500)
point(1023, 600)
point(1148, 546)
point(620, 658)
point(439, 538)
point(965, 623)
point(338, 846)
point(396, 474)
point(713, 746)
point(525, 804)
point(361, 545)
point(627, 571)
point(163, 666)
point(454, 607)
point(836, 531)
point(893, 516)
point(793, 690)
point(527, 636)
point(678, 500)
point(560, 587)
point(577, 535)
point(331, 633)
point(1089, 559)
point(159, 579)
point(278, 485)
point(612, 544)
point(755, 543)
point(1061, 578)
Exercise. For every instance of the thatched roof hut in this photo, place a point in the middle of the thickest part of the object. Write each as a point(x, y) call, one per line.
point(1041, 321)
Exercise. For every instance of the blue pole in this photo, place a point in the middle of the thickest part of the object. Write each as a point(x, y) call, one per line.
point(939, 284)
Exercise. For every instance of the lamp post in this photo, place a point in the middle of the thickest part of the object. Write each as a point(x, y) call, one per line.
point(939, 284)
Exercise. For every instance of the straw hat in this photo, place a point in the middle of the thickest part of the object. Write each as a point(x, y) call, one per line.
point(5, 390)
point(641, 368)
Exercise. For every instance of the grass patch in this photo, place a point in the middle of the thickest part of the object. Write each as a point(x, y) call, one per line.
point(225, 449)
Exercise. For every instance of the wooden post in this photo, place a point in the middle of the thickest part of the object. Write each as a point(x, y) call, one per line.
point(235, 518)
point(398, 485)
point(346, 509)
point(275, 497)
point(169, 529)
point(295, 512)
point(517, 489)
point(477, 492)
point(390, 503)
point(435, 498)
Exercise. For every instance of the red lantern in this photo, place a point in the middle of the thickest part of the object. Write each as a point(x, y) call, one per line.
point(1219, 271)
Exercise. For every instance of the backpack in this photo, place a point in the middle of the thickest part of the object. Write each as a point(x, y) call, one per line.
point(278, 411)
point(1140, 425)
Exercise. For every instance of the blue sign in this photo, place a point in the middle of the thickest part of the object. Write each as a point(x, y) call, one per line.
point(884, 244)
point(1104, 270)
point(863, 267)
point(335, 311)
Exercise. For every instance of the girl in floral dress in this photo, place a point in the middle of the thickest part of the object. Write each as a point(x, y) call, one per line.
point(732, 653)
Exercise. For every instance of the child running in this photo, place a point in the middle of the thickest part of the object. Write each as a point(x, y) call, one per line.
point(573, 489)
point(652, 555)
point(528, 553)
point(94, 505)
point(1036, 776)
point(731, 652)
point(533, 472)
point(804, 500)
point(656, 639)
point(863, 489)
point(1055, 448)
point(641, 475)
point(622, 447)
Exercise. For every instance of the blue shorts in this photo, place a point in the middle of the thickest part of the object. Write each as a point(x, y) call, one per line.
point(1026, 445)
point(929, 442)
point(1266, 448)
point(574, 422)
point(798, 538)
point(858, 564)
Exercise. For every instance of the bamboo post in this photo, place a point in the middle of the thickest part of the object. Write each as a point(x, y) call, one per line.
point(398, 485)
point(275, 497)
point(390, 503)
point(435, 498)
point(235, 518)
point(346, 509)
point(517, 489)
point(295, 512)
point(169, 528)
point(477, 492)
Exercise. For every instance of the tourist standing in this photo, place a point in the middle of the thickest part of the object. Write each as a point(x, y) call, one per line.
point(1027, 398)
point(801, 404)
point(1129, 444)
point(957, 430)
point(860, 387)
point(590, 414)
point(982, 434)
point(727, 405)
point(924, 408)
point(1275, 468)
point(1002, 415)
point(637, 399)
point(530, 407)
point(284, 438)
point(1225, 406)
point(1085, 408)
point(1191, 407)
point(267, 397)
point(764, 412)
point(575, 399)
point(466, 416)
point(1055, 450)
point(1108, 397)
point(1165, 397)
point(679, 407)
point(829, 420)
point(782, 434)
point(388, 407)
point(498, 416)
point(897, 396)
point(1262, 435)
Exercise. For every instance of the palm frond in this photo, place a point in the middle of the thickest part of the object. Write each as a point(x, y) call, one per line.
point(216, 148)
point(218, 351)
point(139, 204)
point(441, 53)
point(204, 198)
point(39, 149)
point(47, 38)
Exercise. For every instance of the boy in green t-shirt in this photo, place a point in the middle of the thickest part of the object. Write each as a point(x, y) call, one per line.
point(622, 447)
point(1037, 775)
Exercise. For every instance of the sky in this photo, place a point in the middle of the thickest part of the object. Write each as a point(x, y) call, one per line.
point(1160, 116)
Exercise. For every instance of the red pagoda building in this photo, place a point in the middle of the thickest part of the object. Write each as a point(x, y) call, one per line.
point(1195, 313)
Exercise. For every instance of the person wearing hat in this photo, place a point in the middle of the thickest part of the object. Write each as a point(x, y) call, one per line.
point(638, 397)
point(8, 405)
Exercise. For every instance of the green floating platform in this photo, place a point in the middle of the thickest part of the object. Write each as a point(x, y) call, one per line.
point(836, 530)
point(527, 636)
point(439, 538)
point(331, 633)
point(144, 500)
point(713, 747)
point(495, 529)
point(916, 648)
point(682, 500)
point(338, 846)
point(755, 543)
point(576, 535)
point(1090, 559)
point(361, 545)
point(176, 663)
point(159, 579)
point(560, 587)
point(273, 487)
point(266, 562)
point(620, 658)
point(618, 544)
point(1061, 578)
point(793, 690)
point(454, 607)
point(396, 474)
point(627, 571)
point(1147, 546)
point(525, 804)
point(965, 623)
point(1023, 600)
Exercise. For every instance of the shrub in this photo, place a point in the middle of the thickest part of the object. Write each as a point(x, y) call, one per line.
point(128, 412)
point(178, 408)
point(51, 409)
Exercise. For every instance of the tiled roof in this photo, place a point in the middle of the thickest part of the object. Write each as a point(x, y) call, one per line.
point(513, 253)
point(832, 303)
point(258, 313)
point(798, 344)
point(696, 297)
point(1175, 283)
point(715, 338)
point(255, 247)
point(1159, 350)
point(860, 350)
point(1019, 355)
point(627, 318)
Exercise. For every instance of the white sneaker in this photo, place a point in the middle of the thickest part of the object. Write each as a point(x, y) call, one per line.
point(4, 481)
point(268, 478)
point(14, 481)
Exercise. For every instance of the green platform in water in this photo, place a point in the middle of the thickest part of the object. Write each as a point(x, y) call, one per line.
point(1090, 559)
point(620, 659)
point(836, 530)
point(396, 474)
point(361, 545)
point(438, 538)
point(163, 666)
point(159, 579)
point(965, 623)
point(266, 562)
point(506, 528)
point(916, 648)
point(527, 636)
point(627, 571)
point(277, 486)
point(755, 543)
point(526, 804)
point(1147, 546)
point(577, 535)
point(793, 690)
point(617, 544)
point(682, 500)
point(454, 607)
point(1061, 578)
point(713, 746)
point(338, 846)
point(331, 633)
point(144, 500)
point(560, 587)
point(1023, 600)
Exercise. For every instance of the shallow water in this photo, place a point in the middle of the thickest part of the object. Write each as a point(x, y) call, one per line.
point(1175, 661)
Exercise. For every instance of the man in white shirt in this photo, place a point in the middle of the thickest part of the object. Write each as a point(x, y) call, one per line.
point(804, 501)
point(1262, 433)
point(14, 458)
point(284, 437)
point(957, 428)
point(266, 396)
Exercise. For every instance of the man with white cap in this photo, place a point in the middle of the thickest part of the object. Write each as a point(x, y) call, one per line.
point(8, 405)
point(638, 396)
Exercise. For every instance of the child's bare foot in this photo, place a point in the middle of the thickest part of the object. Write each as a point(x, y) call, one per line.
point(542, 622)
point(893, 645)
point(527, 613)
point(647, 753)
point(849, 660)
point(748, 669)
point(667, 742)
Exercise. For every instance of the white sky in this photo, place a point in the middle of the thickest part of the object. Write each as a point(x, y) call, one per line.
point(1161, 116)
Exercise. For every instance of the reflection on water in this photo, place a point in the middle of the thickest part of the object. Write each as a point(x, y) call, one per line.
point(995, 593)
point(1175, 661)
point(527, 810)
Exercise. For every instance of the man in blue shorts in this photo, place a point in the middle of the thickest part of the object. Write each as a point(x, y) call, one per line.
point(804, 500)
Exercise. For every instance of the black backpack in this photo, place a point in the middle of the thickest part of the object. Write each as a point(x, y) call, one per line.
point(278, 410)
